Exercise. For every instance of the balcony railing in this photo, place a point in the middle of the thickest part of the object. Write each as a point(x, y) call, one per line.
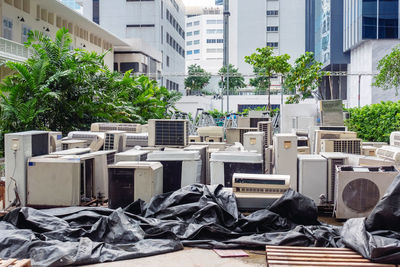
point(10, 50)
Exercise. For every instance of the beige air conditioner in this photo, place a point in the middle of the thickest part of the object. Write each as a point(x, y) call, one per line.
point(234, 135)
point(115, 140)
point(368, 150)
point(389, 152)
point(85, 135)
point(73, 143)
point(168, 133)
point(108, 126)
point(350, 146)
point(265, 126)
point(55, 141)
point(215, 131)
point(323, 134)
point(395, 139)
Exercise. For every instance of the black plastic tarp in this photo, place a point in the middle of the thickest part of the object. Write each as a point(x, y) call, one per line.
point(197, 216)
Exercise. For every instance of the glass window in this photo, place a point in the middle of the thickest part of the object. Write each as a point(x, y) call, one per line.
point(211, 21)
point(210, 31)
point(388, 19)
point(189, 24)
point(220, 21)
point(196, 23)
point(125, 66)
point(369, 19)
point(197, 51)
point(189, 43)
point(196, 42)
point(7, 28)
point(272, 44)
point(220, 41)
point(189, 34)
point(220, 31)
point(272, 12)
point(196, 32)
point(189, 52)
point(96, 11)
point(25, 33)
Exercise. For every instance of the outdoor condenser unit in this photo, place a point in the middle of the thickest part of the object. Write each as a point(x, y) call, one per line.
point(202, 149)
point(234, 135)
point(224, 164)
point(214, 131)
point(390, 153)
point(132, 155)
point(258, 191)
point(334, 159)
point(265, 126)
point(254, 141)
point(85, 135)
point(358, 189)
point(395, 139)
point(109, 126)
point(180, 168)
point(55, 141)
point(115, 140)
point(72, 151)
point(268, 160)
point(73, 143)
point(368, 150)
point(312, 130)
point(18, 147)
point(194, 138)
point(132, 180)
point(350, 146)
point(323, 134)
point(136, 139)
point(312, 176)
point(168, 133)
point(56, 181)
point(250, 122)
point(285, 155)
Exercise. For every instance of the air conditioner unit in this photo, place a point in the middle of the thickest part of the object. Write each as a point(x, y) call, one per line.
point(180, 168)
point(194, 138)
point(215, 131)
point(72, 151)
point(168, 133)
point(303, 150)
point(224, 164)
point(212, 145)
point(372, 161)
point(268, 160)
point(109, 126)
point(285, 154)
point(312, 130)
point(102, 159)
point(85, 135)
point(136, 139)
point(248, 122)
point(390, 153)
point(234, 135)
point(212, 139)
point(395, 139)
point(375, 144)
point(202, 149)
point(351, 146)
point(334, 159)
point(132, 155)
point(145, 128)
point(358, 189)
point(18, 147)
point(258, 191)
point(57, 181)
point(312, 176)
point(368, 150)
point(115, 140)
point(55, 141)
point(130, 181)
point(302, 141)
point(73, 143)
point(210, 151)
point(254, 142)
point(265, 126)
point(322, 134)
point(259, 114)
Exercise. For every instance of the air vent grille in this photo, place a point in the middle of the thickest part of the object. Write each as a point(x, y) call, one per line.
point(331, 190)
point(265, 127)
point(109, 142)
point(243, 131)
point(260, 190)
point(171, 133)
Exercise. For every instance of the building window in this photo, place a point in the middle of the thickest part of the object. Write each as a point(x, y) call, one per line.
point(189, 24)
point(196, 32)
point(125, 66)
point(369, 19)
point(196, 42)
point(272, 28)
point(7, 28)
point(189, 34)
point(272, 13)
point(25, 33)
point(167, 61)
point(162, 34)
point(196, 23)
point(189, 52)
point(96, 11)
point(162, 9)
point(196, 51)
point(272, 44)
point(211, 21)
point(388, 19)
point(189, 43)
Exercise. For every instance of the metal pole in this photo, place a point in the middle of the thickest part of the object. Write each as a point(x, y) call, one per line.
point(222, 94)
point(226, 49)
point(359, 89)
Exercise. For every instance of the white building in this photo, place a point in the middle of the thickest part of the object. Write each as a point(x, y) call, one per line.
point(159, 24)
point(204, 41)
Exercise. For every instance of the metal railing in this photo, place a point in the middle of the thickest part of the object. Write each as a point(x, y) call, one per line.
point(14, 51)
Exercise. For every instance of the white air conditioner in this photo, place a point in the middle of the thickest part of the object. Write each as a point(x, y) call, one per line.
point(395, 139)
point(254, 142)
point(137, 139)
point(55, 141)
point(202, 149)
point(73, 143)
point(102, 159)
point(372, 161)
point(168, 133)
point(115, 140)
point(224, 164)
point(72, 151)
point(322, 134)
point(285, 154)
point(358, 189)
point(312, 176)
point(131, 180)
point(265, 126)
point(145, 128)
point(334, 159)
point(194, 138)
point(109, 126)
point(250, 122)
point(215, 131)
point(390, 153)
point(213, 139)
point(85, 135)
point(351, 146)
point(368, 150)
point(57, 181)
point(235, 135)
point(258, 191)
point(18, 147)
point(312, 130)
point(132, 155)
point(268, 160)
point(180, 168)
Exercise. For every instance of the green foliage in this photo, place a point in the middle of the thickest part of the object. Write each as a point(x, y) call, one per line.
point(261, 83)
point(236, 80)
point(197, 78)
point(216, 114)
point(389, 71)
point(304, 77)
point(64, 90)
point(375, 122)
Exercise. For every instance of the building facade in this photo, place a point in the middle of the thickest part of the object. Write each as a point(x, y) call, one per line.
point(158, 24)
point(204, 41)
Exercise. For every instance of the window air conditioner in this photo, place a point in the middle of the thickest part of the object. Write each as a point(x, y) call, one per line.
point(131, 180)
point(258, 191)
point(351, 146)
point(73, 143)
point(395, 139)
point(214, 131)
point(322, 134)
point(312, 130)
point(312, 176)
point(390, 153)
point(358, 189)
point(168, 133)
point(194, 138)
point(115, 140)
point(136, 139)
point(109, 126)
point(285, 155)
point(132, 155)
point(85, 135)
point(202, 149)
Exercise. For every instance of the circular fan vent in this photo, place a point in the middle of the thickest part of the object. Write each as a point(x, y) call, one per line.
point(360, 195)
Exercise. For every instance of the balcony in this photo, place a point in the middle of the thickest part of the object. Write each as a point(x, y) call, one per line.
point(13, 51)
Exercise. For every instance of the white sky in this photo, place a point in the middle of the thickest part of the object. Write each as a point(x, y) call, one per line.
point(198, 2)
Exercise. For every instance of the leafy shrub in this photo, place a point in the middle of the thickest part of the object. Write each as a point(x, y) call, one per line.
point(375, 122)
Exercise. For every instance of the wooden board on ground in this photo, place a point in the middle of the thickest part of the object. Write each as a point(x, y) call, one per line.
point(15, 263)
point(278, 256)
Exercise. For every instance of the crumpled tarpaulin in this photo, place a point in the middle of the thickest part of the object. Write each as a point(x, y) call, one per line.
point(197, 216)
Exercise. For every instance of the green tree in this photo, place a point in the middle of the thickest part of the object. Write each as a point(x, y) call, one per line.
point(267, 65)
point(236, 80)
point(197, 78)
point(260, 83)
point(304, 77)
point(389, 71)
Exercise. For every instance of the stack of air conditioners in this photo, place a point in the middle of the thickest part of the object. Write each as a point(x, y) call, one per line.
point(115, 140)
point(285, 155)
point(18, 147)
point(224, 164)
point(73, 143)
point(235, 135)
point(211, 134)
point(94, 140)
point(109, 126)
point(312, 135)
point(137, 139)
point(173, 133)
point(334, 159)
point(55, 141)
point(130, 181)
point(258, 191)
point(337, 141)
point(102, 159)
point(132, 155)
point(312, 176)
point(358, 189)
point(180, 168)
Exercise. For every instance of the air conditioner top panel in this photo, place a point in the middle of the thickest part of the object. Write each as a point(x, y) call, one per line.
point(311, 157)
point(133, 152)
point(54, 159)
point(136, 165)
point(102, 152)
point(195, 147)
point(115, 132)
point(73, 141)
point(72, 151)
point(334, 155)
point(132, 135)
point(369, 169)
point(73, 134)
point(261, 176)
point(26, 133)
point(237, 156)
point(173, 155)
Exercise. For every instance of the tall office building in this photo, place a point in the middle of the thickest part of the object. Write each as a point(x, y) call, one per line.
point(73, 5)
point(158, 24)
point(219, 2)
point(204, 41)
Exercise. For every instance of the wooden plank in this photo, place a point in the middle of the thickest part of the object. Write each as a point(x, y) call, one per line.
point(335, 264)
point(308, 259)
point(316, 255)
point(308, 248)
point(313, 251)
point(8, 262)
point(23, 263)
